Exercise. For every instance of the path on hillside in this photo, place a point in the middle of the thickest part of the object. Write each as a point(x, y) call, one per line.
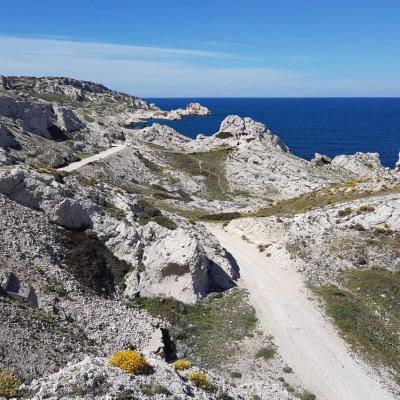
point(103, 154)
point(307, 341)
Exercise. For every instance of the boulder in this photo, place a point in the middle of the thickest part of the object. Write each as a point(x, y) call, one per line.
point(397, 167)
point(320, 160)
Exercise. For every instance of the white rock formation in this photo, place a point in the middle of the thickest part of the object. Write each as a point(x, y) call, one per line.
point(38, 191)
point(237, 128)
point(364, 165)
point(67, 119)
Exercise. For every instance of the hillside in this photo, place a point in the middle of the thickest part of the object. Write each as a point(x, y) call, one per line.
point(107, 246)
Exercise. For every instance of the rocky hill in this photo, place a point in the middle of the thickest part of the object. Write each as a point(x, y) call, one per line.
point(112, 254)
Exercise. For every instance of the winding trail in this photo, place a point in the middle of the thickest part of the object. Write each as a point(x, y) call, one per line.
point(103, 154)
point(307, 341)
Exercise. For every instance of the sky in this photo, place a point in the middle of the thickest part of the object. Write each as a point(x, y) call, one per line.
point(209, 48)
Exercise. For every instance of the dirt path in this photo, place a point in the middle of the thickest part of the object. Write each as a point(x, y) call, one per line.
point(104, 154)
point(307, 342)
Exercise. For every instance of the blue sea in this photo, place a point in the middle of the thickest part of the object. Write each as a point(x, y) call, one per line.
point(329, 126)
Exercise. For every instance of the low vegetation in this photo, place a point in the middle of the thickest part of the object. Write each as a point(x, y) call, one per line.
point(149, 213)
point(208, 331)
point(209, 164)
point(9, 384)
point(365, 306)
point(306, 202)
point(266, 352)
point(181, 365)
point(153, 390)
point(130, 361)
point(200, 380)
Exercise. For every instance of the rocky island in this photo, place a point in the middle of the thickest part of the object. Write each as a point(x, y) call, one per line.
point(228, 266)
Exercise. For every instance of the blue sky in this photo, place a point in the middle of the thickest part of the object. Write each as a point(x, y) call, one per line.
point(194, 48)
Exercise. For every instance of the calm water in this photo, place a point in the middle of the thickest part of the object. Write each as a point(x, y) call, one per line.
point(326, 125)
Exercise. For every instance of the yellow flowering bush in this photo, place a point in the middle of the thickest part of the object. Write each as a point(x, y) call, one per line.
point(181, 365)
point(200, 380)
point(130, 361)
point(9, 384)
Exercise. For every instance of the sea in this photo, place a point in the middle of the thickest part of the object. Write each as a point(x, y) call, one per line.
point(330, 126)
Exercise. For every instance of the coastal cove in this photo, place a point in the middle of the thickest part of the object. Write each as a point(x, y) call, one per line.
point(329, 126)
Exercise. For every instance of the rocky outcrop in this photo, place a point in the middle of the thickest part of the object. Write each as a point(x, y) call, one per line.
point(67, 120)
point(397, 167)
point(364, 165)
point(41, 192)
point(191, 109)
point(234, 127)
point(320, 160)
point(34, 118)
point(160, 135)
point(7, 140)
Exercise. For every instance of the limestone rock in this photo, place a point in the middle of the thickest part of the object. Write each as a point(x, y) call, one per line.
point(234, 127)
point(364, 165)
point(34, 117)
point(193, 109)
point(6, 138)
point(320, 160)
point(67, 119)
point(38, 191)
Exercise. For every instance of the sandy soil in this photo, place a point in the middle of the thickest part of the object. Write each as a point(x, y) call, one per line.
point(307, 341)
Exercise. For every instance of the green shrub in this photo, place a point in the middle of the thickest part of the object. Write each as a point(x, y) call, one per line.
point(152, 390)
point(345, 212)
point(365, 208)
point(266, 353)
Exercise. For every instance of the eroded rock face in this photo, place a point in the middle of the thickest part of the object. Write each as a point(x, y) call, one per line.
point(364, 165)
point(34, 118)
point(38, 191)
point(186, 263)
point(6, 138)
point(67, 120)
point(237, 128)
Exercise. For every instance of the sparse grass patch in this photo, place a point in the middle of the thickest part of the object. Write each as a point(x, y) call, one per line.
point(344, 212)
point(57, 175)
point(9, 383)
point(209, 329)
point(306, 202)
point(365, 208)
point(266, 352)
point(306, 396)
point(152, 390)
point(209, 164)
point(366, 309)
